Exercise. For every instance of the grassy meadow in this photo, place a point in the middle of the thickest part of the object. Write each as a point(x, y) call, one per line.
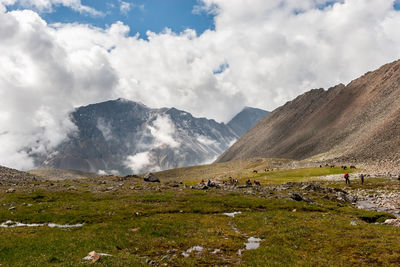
point(142, 224)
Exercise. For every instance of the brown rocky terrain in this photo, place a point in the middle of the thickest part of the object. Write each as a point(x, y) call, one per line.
point(357, 123)
point(13, 177)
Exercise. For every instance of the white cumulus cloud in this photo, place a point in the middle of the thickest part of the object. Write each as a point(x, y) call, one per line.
point(262, 53)
point(48, 5)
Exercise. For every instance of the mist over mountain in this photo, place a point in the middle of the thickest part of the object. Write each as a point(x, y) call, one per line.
point(122, 136)
point(359, 122)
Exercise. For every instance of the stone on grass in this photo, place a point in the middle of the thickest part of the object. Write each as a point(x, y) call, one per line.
point(94, 256)
point(149, 177)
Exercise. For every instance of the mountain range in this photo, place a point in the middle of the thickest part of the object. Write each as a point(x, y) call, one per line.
point(122, 136)
point(358, 122)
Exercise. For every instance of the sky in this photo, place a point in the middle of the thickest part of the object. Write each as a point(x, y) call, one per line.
point(207, 57)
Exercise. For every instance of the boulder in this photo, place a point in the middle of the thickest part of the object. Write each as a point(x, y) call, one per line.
point(149, 177)
point(296, 196)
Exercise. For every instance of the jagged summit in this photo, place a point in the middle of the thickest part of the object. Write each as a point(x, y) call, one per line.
point(124, 136)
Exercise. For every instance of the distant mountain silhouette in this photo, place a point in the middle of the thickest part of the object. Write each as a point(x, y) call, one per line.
point(246, 119)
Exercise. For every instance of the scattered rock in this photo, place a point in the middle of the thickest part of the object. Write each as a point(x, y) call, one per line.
point(11, 190)
point(197, 249)
point(172, 251)
point(296, 196)
point(93, 256)
point(217, 250)
point(131, 176)
point(393, 222)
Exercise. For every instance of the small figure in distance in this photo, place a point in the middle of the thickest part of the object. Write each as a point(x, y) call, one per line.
point(202, 182)
point(235, 181)
point(248, 182)
point(346, 176)
point(209, 182)
point(255, 171)
point(362, 178)
point(257, 183)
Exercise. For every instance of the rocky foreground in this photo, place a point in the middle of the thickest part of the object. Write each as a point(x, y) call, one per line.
point(383, 198)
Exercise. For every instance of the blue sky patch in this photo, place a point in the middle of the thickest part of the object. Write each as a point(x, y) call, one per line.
point(140, 15)
point(221, 68)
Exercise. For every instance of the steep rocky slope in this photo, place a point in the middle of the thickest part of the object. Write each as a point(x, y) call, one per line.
point(359, 122)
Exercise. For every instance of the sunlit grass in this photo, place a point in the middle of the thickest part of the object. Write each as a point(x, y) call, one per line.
point(135, 226)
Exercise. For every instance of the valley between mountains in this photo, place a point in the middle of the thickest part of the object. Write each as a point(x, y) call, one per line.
point(276, 197)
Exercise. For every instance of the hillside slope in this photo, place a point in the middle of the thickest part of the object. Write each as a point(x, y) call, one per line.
point(359, 122)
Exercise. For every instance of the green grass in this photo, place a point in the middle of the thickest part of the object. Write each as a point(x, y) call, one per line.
point(293, 175)
point(293, 233)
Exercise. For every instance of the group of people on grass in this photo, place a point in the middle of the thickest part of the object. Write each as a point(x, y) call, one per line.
point(362, 177)
point(347, 178)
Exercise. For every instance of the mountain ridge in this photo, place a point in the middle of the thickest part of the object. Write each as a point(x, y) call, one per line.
point(341, 123)
point(121, 136)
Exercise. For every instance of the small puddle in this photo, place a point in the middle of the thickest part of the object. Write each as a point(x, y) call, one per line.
point(369, 205)
point(11, 224)
point(197, 249)
point(54, 225)
point(8, 224)
point(232, 214)
point(252, 243)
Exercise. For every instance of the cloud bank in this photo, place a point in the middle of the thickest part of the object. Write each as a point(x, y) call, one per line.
point(163, 135)
point(262, 53)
